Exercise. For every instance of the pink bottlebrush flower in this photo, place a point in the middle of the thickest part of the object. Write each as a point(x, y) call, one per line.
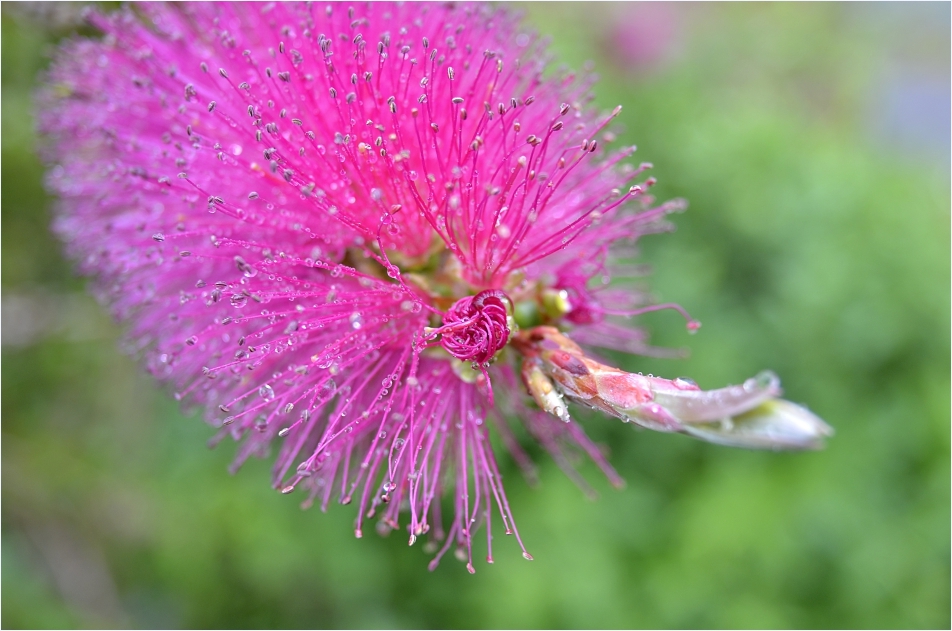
point(358, 235)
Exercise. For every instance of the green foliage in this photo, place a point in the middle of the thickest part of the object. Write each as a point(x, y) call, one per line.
point(812, 247)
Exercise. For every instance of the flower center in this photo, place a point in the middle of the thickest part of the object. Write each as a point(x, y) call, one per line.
point(476, 327)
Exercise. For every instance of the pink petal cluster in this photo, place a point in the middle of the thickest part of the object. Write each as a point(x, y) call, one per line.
point(321, 222)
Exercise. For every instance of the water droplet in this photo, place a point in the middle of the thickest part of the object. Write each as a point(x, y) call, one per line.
point(685, 383)
point(327, 389)
point(765, 379)
point(266, 392)
point(356, 321)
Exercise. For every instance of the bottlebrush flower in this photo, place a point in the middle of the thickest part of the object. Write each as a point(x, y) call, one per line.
point(359, 235)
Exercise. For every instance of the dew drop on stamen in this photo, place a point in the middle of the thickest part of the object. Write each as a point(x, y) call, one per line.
point(327, 389)
point(266, 392)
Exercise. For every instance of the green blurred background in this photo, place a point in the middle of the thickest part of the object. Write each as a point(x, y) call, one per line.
point(812, 141)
